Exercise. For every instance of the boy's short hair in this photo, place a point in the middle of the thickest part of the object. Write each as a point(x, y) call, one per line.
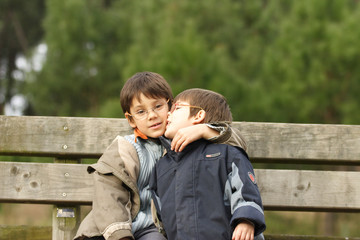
point(214, 104)
point(151, 84)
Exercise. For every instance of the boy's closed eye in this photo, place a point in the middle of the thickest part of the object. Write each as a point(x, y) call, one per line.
point(175, 108)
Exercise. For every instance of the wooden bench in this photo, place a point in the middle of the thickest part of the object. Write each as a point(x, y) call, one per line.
point(67, 186)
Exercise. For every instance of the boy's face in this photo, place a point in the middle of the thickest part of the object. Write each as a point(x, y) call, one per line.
point(153, 115)
point(178, 118)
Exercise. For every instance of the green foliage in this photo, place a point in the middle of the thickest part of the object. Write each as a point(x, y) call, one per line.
point(81, 69)
point(26, 159)
point(20, 31)
point(283, 61)
point(111, 109)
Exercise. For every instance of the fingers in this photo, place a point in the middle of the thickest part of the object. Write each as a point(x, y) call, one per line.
point(243, 231)
point(187, 135)
point(243, 236)
point(179, 142)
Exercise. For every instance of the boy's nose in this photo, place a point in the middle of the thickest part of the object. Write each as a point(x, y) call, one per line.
point(151, 113)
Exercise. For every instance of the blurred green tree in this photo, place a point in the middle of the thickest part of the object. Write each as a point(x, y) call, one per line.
point(274, 60)
point(85, 40)
point(20, 31)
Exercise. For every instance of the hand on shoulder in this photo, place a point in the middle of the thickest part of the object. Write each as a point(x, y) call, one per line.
point(187, 135)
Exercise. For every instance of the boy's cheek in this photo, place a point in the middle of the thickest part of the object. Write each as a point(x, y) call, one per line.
point(131, 122)
point(168, 132)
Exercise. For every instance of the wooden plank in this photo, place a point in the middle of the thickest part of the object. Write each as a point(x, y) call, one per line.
point(305, 237)
point(25, 233)
point(303, 190)
point(45, 183)
point(308, 143)
point(286, 190)
point(65, 219)
point(54, 136)
point(65, 227)
point(268, 142)
point(44, 233)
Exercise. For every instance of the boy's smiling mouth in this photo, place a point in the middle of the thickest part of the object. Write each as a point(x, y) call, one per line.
point(156, 125)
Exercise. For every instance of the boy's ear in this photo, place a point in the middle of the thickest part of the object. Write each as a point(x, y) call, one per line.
point(199, 117)
point(130, 121)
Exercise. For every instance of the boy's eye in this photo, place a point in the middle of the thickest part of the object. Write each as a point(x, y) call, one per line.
point(159, 106)
point(175, 107)
point(140, 112)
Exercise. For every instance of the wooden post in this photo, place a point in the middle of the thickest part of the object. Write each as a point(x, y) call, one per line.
point(65, 219)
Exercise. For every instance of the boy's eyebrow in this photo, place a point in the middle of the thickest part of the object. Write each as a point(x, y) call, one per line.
point(139, 105)
point(153, 102)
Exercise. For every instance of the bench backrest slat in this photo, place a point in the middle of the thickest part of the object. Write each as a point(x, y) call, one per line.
point(300, 190)
point(303, 143)
point(59, 136)
point(45, 183)
point(268, 142)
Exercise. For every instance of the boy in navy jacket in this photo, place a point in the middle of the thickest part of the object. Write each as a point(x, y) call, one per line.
point(207, 191)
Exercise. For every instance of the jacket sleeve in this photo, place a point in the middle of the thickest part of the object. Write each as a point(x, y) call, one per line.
point(116, 199)
point(228, 135)
point(242, 192)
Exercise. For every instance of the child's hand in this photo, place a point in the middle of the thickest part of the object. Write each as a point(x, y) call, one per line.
point(187, 135)
point(243, 231)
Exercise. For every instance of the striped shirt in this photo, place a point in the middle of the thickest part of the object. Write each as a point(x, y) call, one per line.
point(149, 152)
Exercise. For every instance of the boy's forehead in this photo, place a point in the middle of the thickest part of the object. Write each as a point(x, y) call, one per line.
point(182, 102)
point(143, 99)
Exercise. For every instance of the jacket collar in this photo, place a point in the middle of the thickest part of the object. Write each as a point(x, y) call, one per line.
point(139, 134)
point(165, 142)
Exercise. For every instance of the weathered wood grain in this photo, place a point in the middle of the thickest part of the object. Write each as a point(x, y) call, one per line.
point(54, 136)
point(309, 190)
point(304, 237)
point(305, 143)
point(45, 183)
point(268, 142)
point(280, 189)
point(44, 233)
point(25, 233)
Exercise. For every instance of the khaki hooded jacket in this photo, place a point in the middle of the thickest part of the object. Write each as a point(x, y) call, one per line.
point(115, 175)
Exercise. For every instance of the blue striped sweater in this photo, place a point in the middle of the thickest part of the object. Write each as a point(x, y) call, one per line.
point(149, 152)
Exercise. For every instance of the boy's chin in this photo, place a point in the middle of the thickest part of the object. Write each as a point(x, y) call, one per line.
point(168, 134)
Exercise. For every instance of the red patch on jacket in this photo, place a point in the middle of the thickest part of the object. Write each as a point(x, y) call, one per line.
point(252, 177)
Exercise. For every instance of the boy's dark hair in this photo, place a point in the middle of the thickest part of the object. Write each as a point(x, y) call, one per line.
point(214, 104)
point(151, 84)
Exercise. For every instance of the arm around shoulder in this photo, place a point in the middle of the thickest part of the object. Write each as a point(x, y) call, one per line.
point(228, 135)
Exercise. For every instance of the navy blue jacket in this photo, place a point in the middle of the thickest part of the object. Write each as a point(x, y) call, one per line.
point(204, 191)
